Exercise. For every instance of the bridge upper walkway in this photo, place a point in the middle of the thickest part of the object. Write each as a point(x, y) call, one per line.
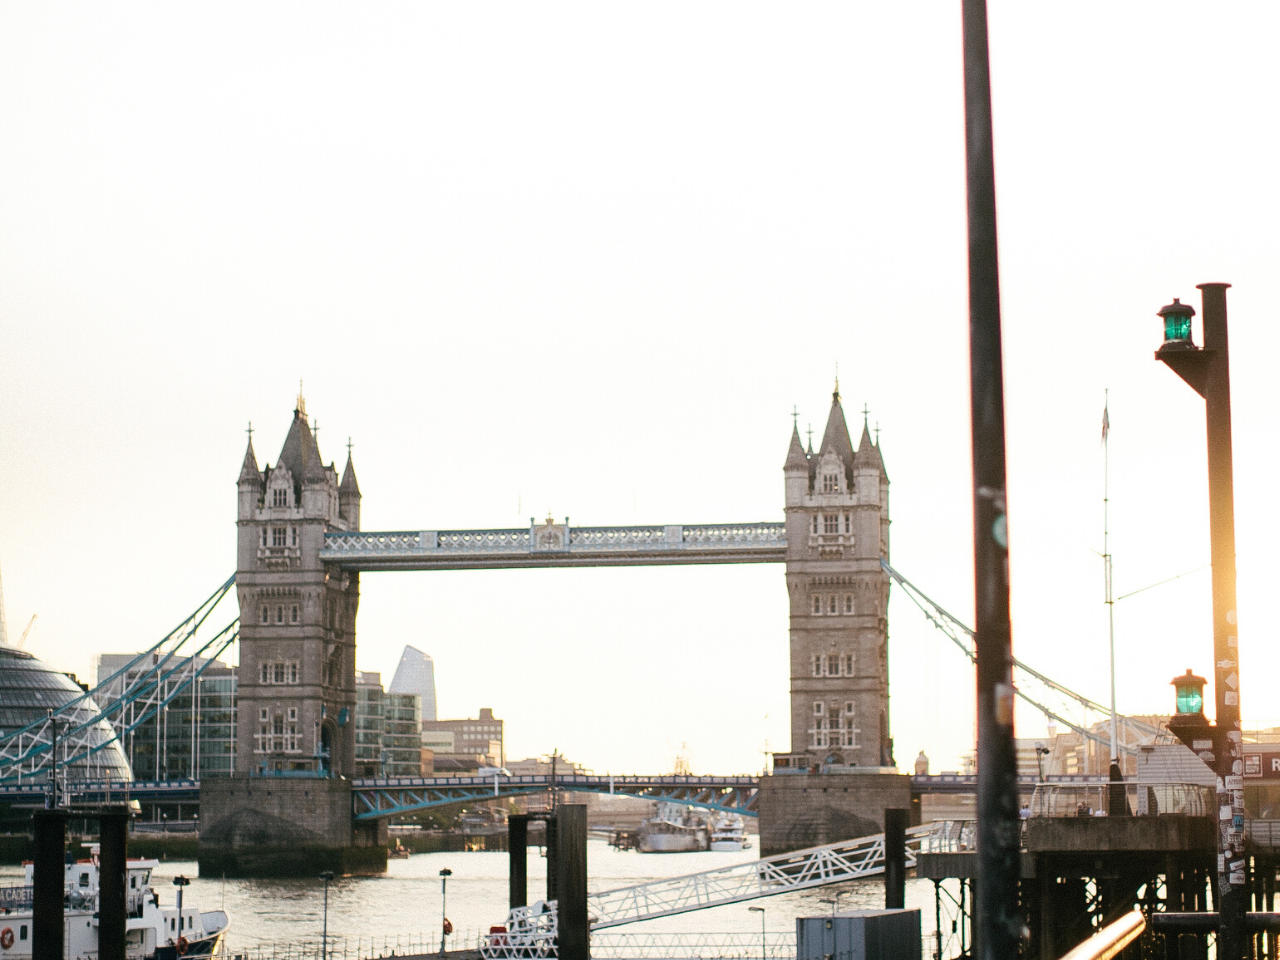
point(558, 545)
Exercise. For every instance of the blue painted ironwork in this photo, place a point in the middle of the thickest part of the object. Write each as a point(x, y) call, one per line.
point(558, 545)
point(164, 671)
point(375, 799)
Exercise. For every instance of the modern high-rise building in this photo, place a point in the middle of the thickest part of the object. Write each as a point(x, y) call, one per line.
point(416, 674)
point(388, 730)
point(193, 736)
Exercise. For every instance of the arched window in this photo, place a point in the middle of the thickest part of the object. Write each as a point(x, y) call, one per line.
point(833, 604)
point(829, 483)
point(817, 665)
point(815, 528)
point(833, 665)
point(848, 665)
point(266, 614)
point(848, 523)
point(817, 604)
point(293, 614)
point(280, 614)
point(848, 603)
point(279, 497)
point(831, 523)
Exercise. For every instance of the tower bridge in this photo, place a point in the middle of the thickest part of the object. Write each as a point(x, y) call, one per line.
point(301, 553)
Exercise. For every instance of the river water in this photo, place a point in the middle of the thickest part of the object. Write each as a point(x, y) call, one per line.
point(404, 905)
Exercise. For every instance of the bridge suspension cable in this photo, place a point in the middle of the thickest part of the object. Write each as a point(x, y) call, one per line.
point(962, 636)
point(137, 691)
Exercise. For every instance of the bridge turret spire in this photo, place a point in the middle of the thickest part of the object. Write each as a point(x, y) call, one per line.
point(249, 472)
point(349, 494)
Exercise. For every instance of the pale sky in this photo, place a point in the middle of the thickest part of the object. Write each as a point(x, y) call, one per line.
point(585, 258)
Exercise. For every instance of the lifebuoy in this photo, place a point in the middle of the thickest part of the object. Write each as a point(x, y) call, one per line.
point(448, 927)
point(181, 945)
point(6, 937)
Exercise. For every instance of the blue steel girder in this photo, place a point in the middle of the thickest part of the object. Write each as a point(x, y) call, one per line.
point(375, 799)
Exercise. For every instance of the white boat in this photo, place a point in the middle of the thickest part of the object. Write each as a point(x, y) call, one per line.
point(728, 832)
point(152, 932)
point(674, 829)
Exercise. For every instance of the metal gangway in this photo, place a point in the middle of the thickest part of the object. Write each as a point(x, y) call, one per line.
point(531, 930)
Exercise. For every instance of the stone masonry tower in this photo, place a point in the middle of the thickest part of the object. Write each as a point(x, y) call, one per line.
point(837, 515)
point(297, 687)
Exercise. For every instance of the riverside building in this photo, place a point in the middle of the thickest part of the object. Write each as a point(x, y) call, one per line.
point(193, 737)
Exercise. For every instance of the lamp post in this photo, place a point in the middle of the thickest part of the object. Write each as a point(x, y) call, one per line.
point(1207, 371)
point(445, 926)
point(324, 934)
point(764, 937)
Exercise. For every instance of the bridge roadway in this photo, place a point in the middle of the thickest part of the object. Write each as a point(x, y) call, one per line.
point(558, 545)
point(376, 798)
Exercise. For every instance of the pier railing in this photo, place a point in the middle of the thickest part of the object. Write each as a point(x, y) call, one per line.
point(1141, 799)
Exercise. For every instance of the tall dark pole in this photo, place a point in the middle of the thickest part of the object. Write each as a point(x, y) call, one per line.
point(1208, 372)
point(1233, 895)
point(999, 927)
point(47, 882)
point(113, 870)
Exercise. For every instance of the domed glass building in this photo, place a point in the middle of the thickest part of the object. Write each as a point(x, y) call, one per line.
point(29, 688)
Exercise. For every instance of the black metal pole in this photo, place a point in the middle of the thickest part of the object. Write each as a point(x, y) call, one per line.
point(573, 937)
point(113, 835)
point(895, 858)
point(47, 885)
point(1232, 892)
point(999, 927)
point(518, 862)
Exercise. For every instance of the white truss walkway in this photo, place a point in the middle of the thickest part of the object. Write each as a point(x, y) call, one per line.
point(834, 863)
point(531, 931)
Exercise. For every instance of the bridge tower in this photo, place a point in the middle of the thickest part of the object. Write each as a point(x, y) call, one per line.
point(296, 687)
point(837, 516)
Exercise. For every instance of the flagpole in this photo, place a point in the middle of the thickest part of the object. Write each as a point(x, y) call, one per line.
point(1106, 558)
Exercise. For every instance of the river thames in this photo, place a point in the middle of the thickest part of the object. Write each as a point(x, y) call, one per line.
point(403, 907)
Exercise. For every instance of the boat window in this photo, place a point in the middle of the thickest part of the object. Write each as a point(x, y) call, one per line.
point(84, 878)
point(22, 932)
point(133, 881)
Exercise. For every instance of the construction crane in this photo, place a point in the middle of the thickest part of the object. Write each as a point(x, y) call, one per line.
point(22, 640)
point(962, 636)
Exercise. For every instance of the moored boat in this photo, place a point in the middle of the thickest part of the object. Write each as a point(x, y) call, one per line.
point(152, 931)
point(674, 830)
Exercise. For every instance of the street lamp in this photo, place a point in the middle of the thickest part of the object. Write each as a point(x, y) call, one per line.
point(324, 935)
point(180, 882)
point(764, 937)
point(1041, 752)
point(1207, 370)
point(445, 926)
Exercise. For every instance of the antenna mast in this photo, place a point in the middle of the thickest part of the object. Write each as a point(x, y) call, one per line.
point(1106, 562)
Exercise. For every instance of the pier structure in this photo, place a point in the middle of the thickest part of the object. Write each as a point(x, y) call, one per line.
point(300, 554)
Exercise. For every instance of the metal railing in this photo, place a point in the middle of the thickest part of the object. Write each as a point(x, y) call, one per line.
point(951, 836)
point(1111, 939)
point(1141, 799)
point(625, 945)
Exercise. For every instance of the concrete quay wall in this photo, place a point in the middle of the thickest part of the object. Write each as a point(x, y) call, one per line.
point(284, 827)
point(799, 810)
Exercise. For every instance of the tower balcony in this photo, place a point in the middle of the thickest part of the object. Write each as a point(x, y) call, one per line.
point(831, 546)
point(279, 558)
